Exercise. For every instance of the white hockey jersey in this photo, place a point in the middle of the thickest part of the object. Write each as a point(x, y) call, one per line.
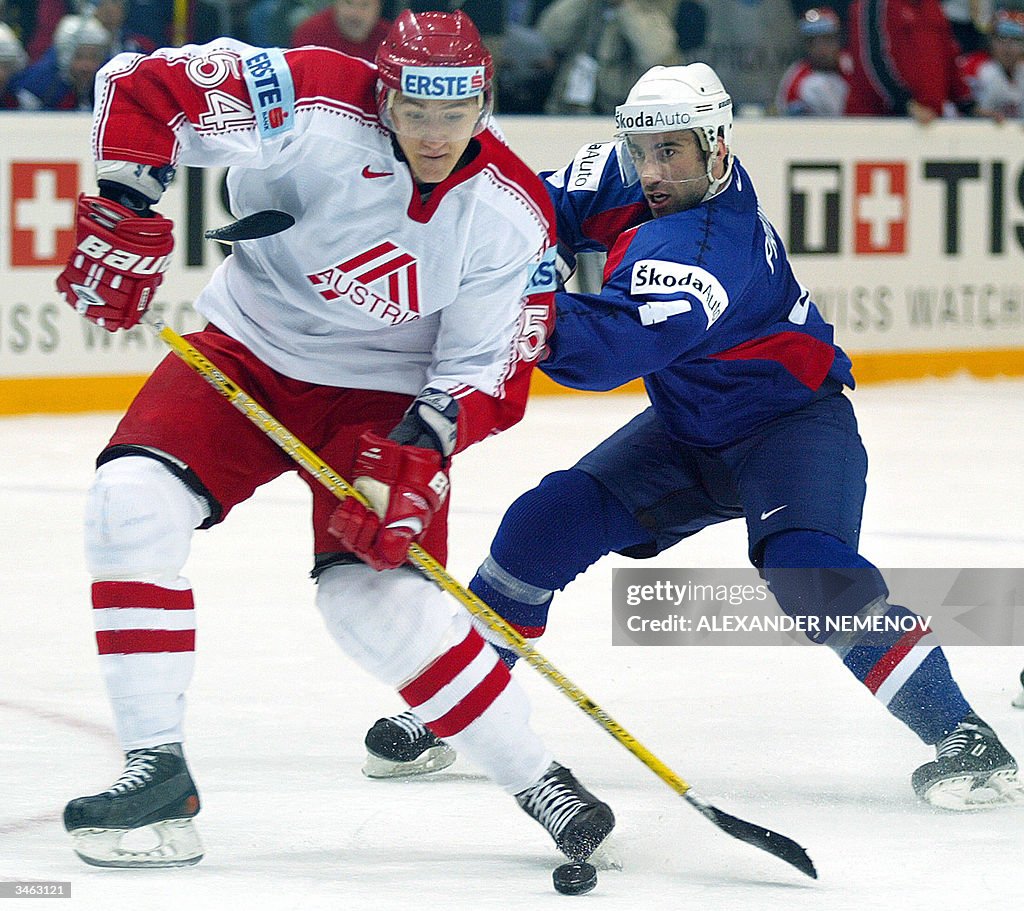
point(371, 288)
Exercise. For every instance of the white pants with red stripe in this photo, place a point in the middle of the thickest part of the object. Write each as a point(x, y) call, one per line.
point(397, 625)
point(407, 633)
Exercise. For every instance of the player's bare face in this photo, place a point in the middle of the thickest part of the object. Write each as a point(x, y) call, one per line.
point(433, 134)
point(672, 169)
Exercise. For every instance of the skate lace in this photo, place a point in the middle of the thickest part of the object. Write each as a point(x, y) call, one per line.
point(552, 803)
point(138, 772)
point(411, 725)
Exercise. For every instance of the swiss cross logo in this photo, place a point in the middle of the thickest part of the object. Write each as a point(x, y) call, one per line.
point(42, 215)
point(382, 281)
point(836, 206)
point(880, 209)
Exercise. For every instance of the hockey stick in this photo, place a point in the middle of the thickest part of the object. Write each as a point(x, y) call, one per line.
point(781, 846)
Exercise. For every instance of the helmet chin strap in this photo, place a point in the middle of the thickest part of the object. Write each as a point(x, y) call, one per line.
point(715, 184)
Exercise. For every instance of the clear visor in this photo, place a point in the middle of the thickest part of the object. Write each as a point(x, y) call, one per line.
point(441, 120)
point(677, 157)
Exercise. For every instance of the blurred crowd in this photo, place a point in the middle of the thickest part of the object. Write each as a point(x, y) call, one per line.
point(904, 58)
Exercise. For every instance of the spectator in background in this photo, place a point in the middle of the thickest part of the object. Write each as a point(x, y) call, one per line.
point(996, 77)
point(904, 61)
point(62, 79)
point(48, 14)
point(12, 61)
point(964, 17)
point(20, 17)
point(271, 23)
point(354, 27)
point(749, 47)
point(691, 23)
point(603, 47)
point(111, 14)
point(816, 84)
point(524, 69)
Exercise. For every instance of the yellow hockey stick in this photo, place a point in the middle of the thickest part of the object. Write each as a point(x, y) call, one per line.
point(782, 847)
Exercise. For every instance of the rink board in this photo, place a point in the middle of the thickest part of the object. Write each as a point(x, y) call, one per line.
point(910, 239)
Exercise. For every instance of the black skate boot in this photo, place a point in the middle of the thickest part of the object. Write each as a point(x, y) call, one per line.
point(155, 792)
point(575, 818)
point(971, 770)
point(402, 745)
point(1019, 701)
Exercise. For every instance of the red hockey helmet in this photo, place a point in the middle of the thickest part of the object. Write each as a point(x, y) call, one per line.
point(434, 56)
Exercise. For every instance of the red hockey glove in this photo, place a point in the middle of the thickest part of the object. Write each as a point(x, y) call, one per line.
point(406, 486)
point(117, 264)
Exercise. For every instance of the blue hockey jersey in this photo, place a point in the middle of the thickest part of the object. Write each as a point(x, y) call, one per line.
point(702, 304)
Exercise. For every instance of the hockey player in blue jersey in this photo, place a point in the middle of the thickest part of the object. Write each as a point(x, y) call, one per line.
point(747, 420)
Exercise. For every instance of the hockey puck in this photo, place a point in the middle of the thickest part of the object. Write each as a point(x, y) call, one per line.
point(574, 878)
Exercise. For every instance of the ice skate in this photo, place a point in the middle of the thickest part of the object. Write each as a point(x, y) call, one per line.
point(154, 800)
point(1019, 701)
point(401, 746)
point(972, 770)
point(575, 818)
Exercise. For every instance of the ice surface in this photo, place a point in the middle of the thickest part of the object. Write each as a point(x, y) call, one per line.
point(781, 737)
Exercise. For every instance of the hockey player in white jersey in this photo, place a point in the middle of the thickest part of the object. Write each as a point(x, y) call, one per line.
point(393, 325)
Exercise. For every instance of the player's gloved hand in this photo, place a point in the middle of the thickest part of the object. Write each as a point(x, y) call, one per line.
point(117, 264)
point(405, 485)
point(432, 421)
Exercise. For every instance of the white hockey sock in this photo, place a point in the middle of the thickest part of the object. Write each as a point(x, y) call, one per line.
point(403, 630)
point(139, 521)
point(466, 697)
point(145, 635)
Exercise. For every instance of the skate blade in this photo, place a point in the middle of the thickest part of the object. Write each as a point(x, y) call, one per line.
point(1001, 789)
point(431, 760)
point(177, 845)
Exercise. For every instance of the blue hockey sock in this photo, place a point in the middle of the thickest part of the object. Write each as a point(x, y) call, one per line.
point(523, 606)
point(547, 537)
point(901, 663)
point(887, 647)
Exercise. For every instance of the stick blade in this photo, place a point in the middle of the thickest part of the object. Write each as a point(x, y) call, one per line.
point(252, 227)
point(781, 846)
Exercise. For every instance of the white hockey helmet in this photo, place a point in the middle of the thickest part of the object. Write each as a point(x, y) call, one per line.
point(73, 32)
point(669, 98)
